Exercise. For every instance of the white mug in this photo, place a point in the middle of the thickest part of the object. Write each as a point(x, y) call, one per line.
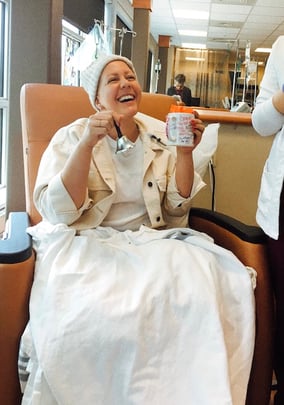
point(179, 129)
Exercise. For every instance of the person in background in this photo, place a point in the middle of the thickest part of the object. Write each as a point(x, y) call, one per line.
point(268, 119)
point(179, 89)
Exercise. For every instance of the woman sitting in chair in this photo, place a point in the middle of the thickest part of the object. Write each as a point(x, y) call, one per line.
point(128, 306)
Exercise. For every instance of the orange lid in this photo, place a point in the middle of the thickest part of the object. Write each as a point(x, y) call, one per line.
point(181, 109)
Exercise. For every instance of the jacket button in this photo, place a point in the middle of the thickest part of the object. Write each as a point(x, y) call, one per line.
point(158, 219)
point(150, 184)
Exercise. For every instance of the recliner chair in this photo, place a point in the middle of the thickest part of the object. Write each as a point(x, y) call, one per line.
point(44, 109)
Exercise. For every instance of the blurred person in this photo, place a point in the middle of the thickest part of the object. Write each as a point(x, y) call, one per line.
point(268, 119)
point(179, 89)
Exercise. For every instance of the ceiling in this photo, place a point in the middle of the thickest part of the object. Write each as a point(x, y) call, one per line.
point(231, 23)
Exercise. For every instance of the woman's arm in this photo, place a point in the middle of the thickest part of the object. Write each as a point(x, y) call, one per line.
point(267, 116)
point(75, 173)
point(278, 100)
point(61, 189)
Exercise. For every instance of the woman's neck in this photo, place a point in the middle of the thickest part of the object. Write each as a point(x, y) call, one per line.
point(128, 128)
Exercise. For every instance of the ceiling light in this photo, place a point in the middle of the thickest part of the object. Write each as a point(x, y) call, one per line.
point(264, 50)
point(193, 33)
point(195, 59)
point(191, 14)
point(193, 46)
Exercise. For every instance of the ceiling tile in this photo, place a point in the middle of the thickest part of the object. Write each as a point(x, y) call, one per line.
point(258, 21)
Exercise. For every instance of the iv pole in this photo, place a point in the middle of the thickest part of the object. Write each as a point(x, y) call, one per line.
point(247, 61)
point(158, 68)
point(121, 33)
point(235, 74)
point(241, 106)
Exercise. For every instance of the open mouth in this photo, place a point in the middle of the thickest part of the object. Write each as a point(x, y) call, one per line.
point(126, 98)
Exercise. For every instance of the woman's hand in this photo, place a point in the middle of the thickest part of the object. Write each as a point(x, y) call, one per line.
point(76, 170)
point(98, 126)
point(197, 128)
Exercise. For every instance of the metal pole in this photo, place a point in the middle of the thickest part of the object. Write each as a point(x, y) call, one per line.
point(110, 21)
point(234, 78)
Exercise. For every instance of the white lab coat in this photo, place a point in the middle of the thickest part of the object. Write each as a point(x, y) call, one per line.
point(268, 121)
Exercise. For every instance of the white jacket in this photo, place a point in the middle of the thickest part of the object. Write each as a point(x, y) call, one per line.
point(165, 206)
point(266, 121)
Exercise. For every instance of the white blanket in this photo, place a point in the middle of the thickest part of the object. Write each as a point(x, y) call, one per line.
point(137, 318)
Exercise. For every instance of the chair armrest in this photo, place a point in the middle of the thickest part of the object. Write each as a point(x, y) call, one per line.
point(248, 243)
point(17, 261)
point(247, 233)
point(16, 244)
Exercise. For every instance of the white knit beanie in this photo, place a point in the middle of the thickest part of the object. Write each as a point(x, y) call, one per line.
point(90, 77)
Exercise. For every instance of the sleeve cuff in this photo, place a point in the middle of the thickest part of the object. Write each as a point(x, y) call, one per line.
point(62, 204)
point(176, 200)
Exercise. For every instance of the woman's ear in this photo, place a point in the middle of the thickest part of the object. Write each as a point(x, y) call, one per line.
point(97, 103)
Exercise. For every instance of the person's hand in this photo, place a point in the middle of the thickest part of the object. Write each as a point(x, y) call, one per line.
point(99, 125)
point(197, 128)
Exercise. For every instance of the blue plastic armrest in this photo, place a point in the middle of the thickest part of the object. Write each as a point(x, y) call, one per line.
point(16, 244)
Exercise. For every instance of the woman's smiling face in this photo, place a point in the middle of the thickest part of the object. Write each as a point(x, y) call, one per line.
point(118, 89)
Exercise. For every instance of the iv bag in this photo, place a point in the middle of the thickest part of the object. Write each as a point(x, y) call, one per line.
point(93, 45)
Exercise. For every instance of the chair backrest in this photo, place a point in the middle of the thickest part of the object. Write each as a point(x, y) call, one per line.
point(47, 107)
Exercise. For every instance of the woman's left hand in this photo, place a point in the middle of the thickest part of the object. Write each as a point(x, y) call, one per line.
point(197, 128)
